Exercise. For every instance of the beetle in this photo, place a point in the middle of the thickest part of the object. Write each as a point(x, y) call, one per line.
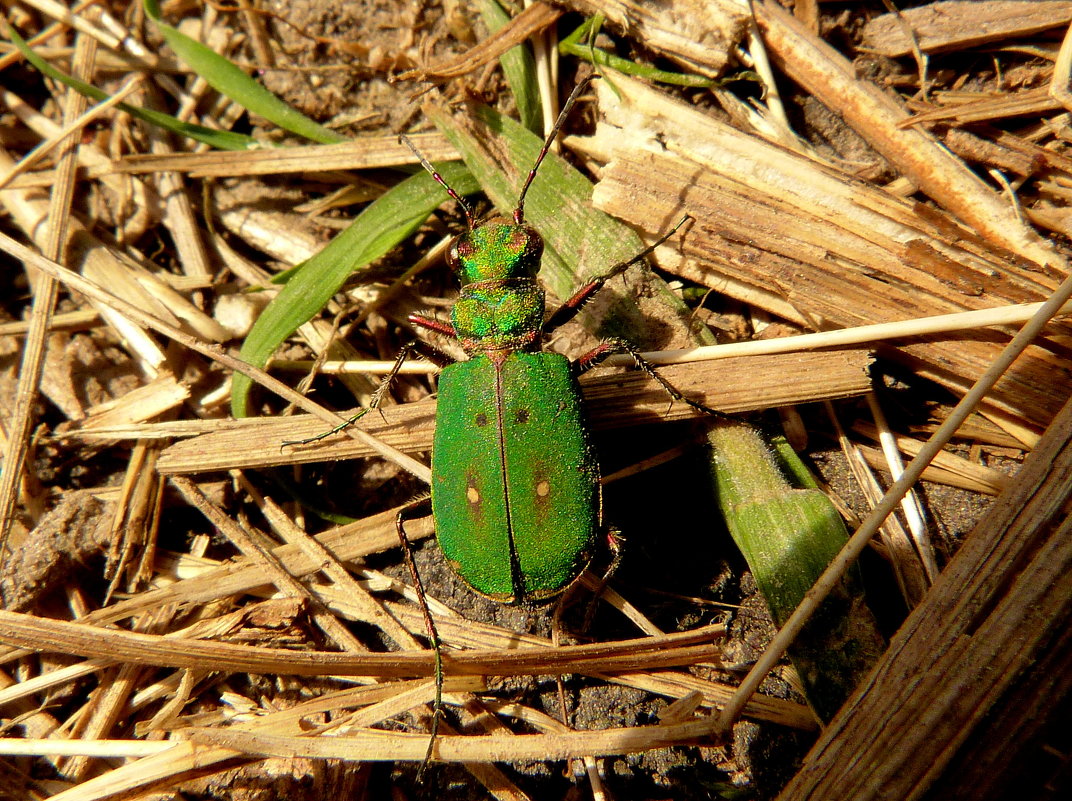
point(515, 484)
point(515, 490)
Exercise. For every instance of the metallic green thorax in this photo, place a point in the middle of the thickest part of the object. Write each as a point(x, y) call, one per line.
point(515, 486)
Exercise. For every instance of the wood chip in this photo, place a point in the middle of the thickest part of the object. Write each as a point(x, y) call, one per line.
point(939, 27)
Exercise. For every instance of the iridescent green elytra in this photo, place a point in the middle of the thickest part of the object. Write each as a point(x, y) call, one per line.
point(515, 486)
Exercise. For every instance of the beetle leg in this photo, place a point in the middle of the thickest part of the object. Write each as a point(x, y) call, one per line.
point(568, 310)
point(612, 346)
point(589, 582)
point(614, 548)
point(374, 401)
point(446, 329)
point(599, 354)
point(408, 512)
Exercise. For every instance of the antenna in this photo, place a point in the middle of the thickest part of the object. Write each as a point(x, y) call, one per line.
point(519, 212)
point(439, 179)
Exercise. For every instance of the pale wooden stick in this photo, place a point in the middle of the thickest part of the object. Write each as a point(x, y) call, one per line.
point(879, 332)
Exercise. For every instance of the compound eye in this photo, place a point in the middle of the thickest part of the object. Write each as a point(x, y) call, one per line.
point(531, 243)
point(521, 240)
point(461, 248)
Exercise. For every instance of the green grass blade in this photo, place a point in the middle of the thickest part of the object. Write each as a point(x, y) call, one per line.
point(381, 226)
point(789, 531)
point(229, 80)
point(572, 46)
point(223, 140)
point(519, 67)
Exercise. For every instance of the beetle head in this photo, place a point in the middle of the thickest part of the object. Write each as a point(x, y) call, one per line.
point(498, 249)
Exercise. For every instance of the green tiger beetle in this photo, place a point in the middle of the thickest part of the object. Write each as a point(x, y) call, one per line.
point(515, 493)
point(515, 485)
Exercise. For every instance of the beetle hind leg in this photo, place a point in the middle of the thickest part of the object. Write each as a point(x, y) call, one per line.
point(421, 507)
point(599, 585)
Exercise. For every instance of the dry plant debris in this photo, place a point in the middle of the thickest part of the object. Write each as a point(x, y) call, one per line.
point(875, 193)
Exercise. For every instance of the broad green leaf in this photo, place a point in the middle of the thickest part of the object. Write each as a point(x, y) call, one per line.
point(229, 80)
point(381, 226)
